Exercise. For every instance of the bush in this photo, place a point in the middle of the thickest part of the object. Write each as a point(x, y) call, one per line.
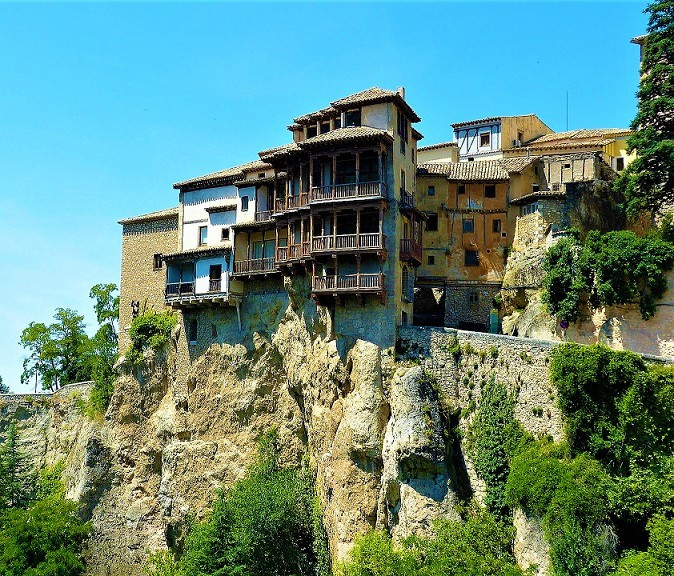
point(267, 523)
point(613, 268)
point(480, 545)
point(150, 331)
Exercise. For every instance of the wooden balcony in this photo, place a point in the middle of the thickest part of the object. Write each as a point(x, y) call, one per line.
point(177, 289)
point(348, 242)
point(183, 295)
point(406, 200)
point(254, 266)
point(410, 251)
point(347, 191)
point(292, 252)
point(292, 202)
point(263, 216)
point(215, 285)
point(348, 283)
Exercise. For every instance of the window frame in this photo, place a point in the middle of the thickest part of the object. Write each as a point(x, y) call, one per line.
point(203, 235)
point(431, 190)
point(469, 262)
point(157, 262)
point(245, 203)
point(492, 190)
point(481, 136)
point(432, 217)
point(470, 229)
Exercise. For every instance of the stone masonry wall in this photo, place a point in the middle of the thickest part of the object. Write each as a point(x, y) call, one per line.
point(139, 281)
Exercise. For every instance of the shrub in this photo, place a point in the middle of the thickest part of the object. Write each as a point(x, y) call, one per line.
point(149, 331)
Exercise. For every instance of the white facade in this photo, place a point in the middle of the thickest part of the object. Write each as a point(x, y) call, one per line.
point(196, 215)
point(481, 141)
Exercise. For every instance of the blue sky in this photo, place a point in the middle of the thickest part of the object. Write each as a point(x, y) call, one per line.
point(104, 106)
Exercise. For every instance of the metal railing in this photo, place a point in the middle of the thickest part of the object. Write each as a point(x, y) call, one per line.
point(341, 191)
point(406, 199)
point(215, 285)
point(347, 282)
point(347, 242)
point(410, 249)
point(174, 289)
point(254, 266)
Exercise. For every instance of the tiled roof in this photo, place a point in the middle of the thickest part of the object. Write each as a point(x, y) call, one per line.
point(417, 135)
point(516, 164)
point(489, 119)
point(536, 195)
point(225, 176)
point(277, 151)
point(569, 145)
point(372, 96)
point(200, 251)
point(344, 135)
point(581, 134)
point(475, 171)
point(318, 115)
point(158, 215)
point(439, 145)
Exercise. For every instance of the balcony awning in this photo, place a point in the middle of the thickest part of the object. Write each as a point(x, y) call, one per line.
point(197, 253)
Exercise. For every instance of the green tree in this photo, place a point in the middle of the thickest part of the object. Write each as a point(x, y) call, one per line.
point(15, 477)
point(4, 389)
point(648, 182)
point(42, 360)
point(265, 524)
point(103, 351)
point(106, 305)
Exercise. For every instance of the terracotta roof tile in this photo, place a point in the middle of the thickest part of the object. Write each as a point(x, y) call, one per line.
point(489, 119)
point(344, 135)
point(277, 151)
point(167, 214)
point(439, 145)
point(485, 170)
point(581, 134)
point(516, 164)
point(372, 96)
point(224, 176)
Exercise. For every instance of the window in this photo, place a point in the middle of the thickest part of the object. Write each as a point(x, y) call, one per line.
point(325, 127)
point(244, 203)
point(404, 318)
point(485, 139)
point(469, 225)
point(432, 223)
point(430, 260)
point(566, 166)
point(403, 183)
point(471, 159)
point(353, 118)
point(225, 234)
point(402, 130)
point(311, 131)
point(520, 137)
point(192, 332)
point(431, 190)
point(535, 187)
point(157, 263)
point(619, 164)
point(214, 331)
point(461, 189)
point(490, 190)
point(473, 297)
point(261, 174)
point(496, 225)
point(338, 122)
point(471, 258)
point(203, 235)
point(406, 285)
point(530, 208)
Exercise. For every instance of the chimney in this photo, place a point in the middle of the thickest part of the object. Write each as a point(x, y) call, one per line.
point(401, 91)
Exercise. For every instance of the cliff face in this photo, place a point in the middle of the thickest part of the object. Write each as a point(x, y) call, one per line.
point(379, 433)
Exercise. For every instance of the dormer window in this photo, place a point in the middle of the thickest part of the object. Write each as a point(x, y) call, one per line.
point(485, 139)
point(325, 127)
point(311, 131)
point(261, 175)
point(338, 122)
point(352, 118)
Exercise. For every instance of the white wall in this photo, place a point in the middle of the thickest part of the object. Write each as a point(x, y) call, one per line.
point(468, 139)
point(376, 116)
point(203, 274)
point(195, 215)
point(248, 216)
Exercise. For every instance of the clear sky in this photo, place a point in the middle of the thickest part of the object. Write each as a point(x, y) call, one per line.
point(104, 106)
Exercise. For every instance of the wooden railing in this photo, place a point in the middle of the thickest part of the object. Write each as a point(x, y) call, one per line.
point(341, 191)
point(347, 242)
point(406, 199)
point(214, 285)
point(174, 289)
point(254, 266)
point(263, 216)
point(409, 249)
point(292, 252)
point(347, 282)
point(292, 202)
point(281, 253)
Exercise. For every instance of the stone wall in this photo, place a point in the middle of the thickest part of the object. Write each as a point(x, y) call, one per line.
point(141, 240)
point(467, 304)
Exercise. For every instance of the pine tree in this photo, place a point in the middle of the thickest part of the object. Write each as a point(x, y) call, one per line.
point(648, 183)
point(4, 389)
point(15, 480)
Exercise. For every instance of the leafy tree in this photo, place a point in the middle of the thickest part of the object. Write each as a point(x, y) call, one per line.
point(42, 360)
point(104, 344)
point(106, 305)
point(476, 546)
point(4, 389)
point(648, 182)
point(265, 524)
point(613, 268)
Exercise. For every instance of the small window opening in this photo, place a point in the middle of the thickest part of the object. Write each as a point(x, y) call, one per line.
point(225, 234)
point(471, 258)
point(490, 191)
point(469, 225)
point(157, 262)
point(485, 139)
point(496, 225)
point(431, 190)
point(193, 331)
point(461, 189)
point(430, 260)
point(353, 118)
point(432, 223)
point(244, 203)
point(203, 235)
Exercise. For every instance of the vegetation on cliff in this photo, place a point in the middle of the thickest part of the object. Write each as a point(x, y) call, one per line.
point(613, 268)
point(266, 523)
point(477, 545)
point(149, 331)
point(40, 530)
point(648, 182)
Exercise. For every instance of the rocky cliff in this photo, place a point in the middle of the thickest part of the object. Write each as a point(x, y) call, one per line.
point(380, 429)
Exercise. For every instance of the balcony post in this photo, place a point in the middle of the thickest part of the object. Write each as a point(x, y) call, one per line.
point(334, 174)
point(357, 173)
point(248, 254)
point(357, 270)
point(275, 188)
point(300, 188)
point(301, 236)
point(379, 166)
point(334, 230)
point(276, 244)
point(381, 226)
point(357, 227)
